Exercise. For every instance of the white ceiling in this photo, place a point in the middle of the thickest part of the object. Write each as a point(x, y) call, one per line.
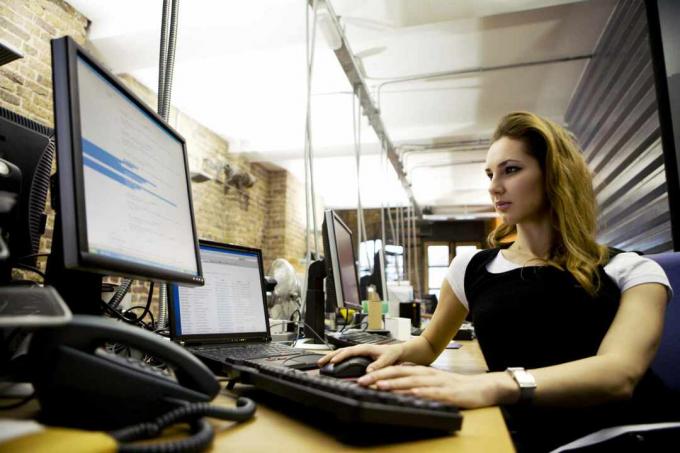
point(240, 70)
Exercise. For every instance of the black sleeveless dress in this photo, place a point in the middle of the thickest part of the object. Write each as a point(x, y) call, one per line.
point(538, 316)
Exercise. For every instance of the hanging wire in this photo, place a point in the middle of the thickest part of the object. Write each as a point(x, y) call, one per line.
point(165, 74)
point(409, 268)
point(383, 277)
point(308, 127)
point(163, 54)
point(402, 238)
point(357, 158)
point(403, 243)
point(361, 222)
point(416, 261)
point(309, 167)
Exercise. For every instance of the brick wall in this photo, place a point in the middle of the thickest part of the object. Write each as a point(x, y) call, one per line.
point(28, 26)
point(285, 227)
point(270, 215)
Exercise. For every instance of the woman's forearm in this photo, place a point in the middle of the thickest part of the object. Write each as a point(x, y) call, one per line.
point(418, 350)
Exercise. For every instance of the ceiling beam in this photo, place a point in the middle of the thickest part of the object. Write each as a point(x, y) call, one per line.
point(356, 79)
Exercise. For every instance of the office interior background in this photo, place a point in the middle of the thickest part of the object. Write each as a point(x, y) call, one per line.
point(439, 75)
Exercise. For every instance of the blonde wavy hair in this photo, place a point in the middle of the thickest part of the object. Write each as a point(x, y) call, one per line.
point(569, 190)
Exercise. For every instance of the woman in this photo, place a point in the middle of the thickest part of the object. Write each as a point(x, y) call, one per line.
point(566, 309)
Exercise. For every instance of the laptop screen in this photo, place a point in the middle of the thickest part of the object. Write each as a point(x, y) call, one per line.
point(232, 302)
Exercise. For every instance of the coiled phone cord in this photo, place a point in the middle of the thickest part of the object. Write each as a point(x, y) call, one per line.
point(202, 432)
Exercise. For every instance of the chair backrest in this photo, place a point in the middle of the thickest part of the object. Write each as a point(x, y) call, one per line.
point(666, 364)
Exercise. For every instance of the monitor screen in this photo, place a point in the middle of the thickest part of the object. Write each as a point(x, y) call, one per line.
point(343, 269)
point(136, 201)
point(125, 198)
point(232, 301)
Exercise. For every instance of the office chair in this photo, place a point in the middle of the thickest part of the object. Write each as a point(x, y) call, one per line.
point(666, 365)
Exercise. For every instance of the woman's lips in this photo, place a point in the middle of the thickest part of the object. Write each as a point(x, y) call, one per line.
point(503, 205)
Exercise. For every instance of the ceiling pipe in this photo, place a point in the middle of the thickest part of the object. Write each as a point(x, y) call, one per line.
point(352, 70)
point(404, 154)
point(444, 74)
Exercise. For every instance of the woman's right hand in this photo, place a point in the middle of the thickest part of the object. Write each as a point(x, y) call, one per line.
point(382, 355)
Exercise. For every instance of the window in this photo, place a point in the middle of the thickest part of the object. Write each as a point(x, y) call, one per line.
point(437, 264)
point(439, 256)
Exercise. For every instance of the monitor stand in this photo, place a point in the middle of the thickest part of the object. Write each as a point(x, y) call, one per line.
point(82, 291)
point(308, 343)
point(315, 303)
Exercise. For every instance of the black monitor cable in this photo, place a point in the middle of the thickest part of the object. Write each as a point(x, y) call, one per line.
point(192, 413)
point(29, 268)
point(33, 255)
point(146, 308)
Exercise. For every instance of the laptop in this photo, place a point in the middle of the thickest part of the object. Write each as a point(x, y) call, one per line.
point(226, 320)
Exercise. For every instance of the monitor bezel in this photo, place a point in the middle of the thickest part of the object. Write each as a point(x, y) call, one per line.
point(173, 294)
point(330, 217)
point(71, 206)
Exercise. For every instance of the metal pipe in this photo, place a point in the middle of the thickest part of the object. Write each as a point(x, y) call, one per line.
point(444, 74)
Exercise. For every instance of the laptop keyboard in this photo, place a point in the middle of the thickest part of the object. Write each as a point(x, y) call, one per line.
point(247, 351)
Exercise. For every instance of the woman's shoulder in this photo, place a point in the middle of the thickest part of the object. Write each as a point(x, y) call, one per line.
point(463, 259)
point(629, 269)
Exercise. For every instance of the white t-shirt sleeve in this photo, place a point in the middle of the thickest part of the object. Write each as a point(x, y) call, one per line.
point(630, 269)
point(456, 275)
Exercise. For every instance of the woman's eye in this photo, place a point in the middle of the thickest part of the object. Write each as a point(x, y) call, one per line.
point(489, 175)
point(511, 169)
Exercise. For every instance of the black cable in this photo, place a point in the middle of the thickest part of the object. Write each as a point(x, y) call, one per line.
point(30, 268)
point(201, 438)
point(328, 345)
point(148, 303)
point(192, 412)
point(163, 331)
point(33, 255)
point(118, 315)
point(22, 282)
point(146, 309)
point(302, 354)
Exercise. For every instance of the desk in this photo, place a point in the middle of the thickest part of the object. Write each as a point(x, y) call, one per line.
point(483, 429)
point(272, 430)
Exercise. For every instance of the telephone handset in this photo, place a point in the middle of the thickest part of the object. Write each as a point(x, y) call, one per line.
point(81, 384)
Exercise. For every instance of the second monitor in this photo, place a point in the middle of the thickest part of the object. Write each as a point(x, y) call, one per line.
point(342, 284)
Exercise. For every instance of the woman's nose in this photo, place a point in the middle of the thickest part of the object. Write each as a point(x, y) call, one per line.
point(495, 187)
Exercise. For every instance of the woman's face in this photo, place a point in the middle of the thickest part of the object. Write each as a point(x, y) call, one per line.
point(515, 182)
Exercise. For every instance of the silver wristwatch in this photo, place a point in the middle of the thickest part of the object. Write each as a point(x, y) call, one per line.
point(526, 383)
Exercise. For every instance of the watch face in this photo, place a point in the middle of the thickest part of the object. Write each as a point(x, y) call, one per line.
point(523, 378)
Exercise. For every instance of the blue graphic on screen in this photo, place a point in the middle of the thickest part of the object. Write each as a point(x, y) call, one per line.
point(94, 156)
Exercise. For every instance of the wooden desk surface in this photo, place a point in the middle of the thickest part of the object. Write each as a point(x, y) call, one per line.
point(271, 430)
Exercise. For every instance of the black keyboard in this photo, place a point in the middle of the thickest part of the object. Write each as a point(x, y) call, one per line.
point(245, 352)
point(350, 403)
point(352, 338)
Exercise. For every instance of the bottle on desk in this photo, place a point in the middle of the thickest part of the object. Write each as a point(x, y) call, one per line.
point(374, 309)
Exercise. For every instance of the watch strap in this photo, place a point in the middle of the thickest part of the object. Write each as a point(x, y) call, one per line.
point(526, 383)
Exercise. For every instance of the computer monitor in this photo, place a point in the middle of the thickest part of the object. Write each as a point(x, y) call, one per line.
point(342, 284)
point(28, 145)
point(124, 194)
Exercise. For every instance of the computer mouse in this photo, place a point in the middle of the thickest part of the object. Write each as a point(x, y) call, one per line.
point(350, 368)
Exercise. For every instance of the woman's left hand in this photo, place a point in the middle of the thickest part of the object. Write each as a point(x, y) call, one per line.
point(464, 391)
